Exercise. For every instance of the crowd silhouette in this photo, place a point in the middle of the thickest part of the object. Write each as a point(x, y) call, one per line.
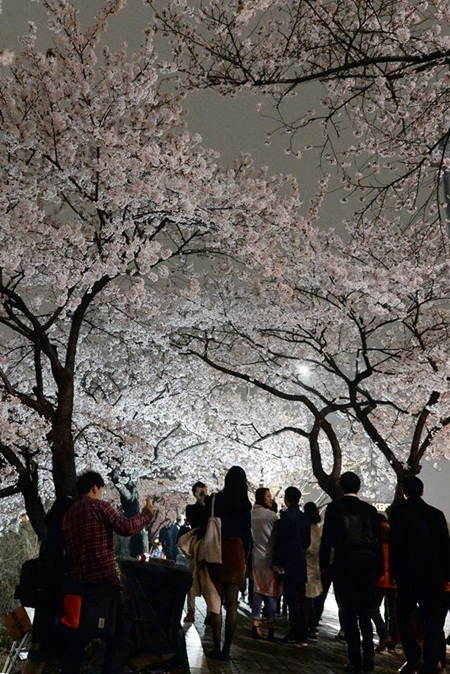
point(390, 572)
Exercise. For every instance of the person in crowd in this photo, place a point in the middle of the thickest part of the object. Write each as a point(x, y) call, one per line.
point(292, 540)
point(385, 590)
point(195, 515)
point(265, 584)
point(52, 567)
point(351, 528)
point(233, 507)
point(419, 555)
point(314, 585)
point(168, 536)
point(157, 551)
point(88, 529)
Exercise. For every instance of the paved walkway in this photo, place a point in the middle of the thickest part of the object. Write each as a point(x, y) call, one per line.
point(251, 656)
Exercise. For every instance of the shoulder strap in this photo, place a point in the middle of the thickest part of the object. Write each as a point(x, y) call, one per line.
point(213, 498)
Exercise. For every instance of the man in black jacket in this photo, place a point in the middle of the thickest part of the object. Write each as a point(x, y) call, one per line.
point(293, 536)
point(352, 531)
point(195, 516)
point(419, 555)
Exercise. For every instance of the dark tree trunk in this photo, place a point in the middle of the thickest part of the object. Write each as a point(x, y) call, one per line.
point(328, 482)
point(61, 439)
point(33, 504)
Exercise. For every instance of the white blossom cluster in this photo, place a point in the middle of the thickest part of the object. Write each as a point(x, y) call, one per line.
point(165, 318)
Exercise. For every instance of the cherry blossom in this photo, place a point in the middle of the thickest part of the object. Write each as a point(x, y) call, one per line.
point(107, 207)
point(367, 80)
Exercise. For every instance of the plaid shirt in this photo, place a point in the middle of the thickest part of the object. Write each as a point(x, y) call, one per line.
point(88, 537)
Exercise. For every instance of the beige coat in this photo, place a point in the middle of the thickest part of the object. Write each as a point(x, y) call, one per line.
point(314, 584)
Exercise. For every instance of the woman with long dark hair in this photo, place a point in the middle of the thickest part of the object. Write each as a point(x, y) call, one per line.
point(233, 507)
point(265, 584)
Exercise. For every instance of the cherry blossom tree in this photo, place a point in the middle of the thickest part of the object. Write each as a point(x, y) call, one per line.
point(354, 332)
point(107, 207)
point(372, 76)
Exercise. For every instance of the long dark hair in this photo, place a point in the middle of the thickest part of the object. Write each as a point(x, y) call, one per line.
point(312, 512)
point(260, 495)
point(235, 485)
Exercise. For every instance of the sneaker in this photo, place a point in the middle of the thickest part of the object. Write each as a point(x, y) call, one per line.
point(189, 617)
point(300, 644)
point(286, 641)
point(312, 636)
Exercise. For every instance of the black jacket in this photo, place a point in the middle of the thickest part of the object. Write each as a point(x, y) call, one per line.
point(419, 544)
point(335, 549)
point(293, 537)
point(195, 514)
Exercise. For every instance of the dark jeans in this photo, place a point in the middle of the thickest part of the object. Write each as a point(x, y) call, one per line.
point(75, 644)
point(354, 599)
point(430, 603)
point(385, 628)
point(294, 595)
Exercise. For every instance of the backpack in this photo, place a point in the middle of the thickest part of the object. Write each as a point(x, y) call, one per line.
point(358, 538)
point(29, 590)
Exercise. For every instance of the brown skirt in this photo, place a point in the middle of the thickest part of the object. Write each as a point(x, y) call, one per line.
point(232, 569)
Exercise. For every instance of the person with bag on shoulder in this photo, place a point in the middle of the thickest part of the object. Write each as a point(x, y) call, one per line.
point(351, 528)
point(88, 530)
point(232, 507)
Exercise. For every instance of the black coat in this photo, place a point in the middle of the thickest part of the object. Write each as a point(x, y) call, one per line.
point(293, 537)
point(419, 544)
point(195, 515)
point(334, 548)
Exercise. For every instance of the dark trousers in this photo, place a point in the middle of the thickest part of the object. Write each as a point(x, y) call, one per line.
point(319, 601)
point(75, 643)
point(385, 628)
point(430, 603)
point(354, 599)
point(295, 597)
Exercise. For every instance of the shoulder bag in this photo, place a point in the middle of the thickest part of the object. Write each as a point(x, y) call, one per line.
point(210, 547)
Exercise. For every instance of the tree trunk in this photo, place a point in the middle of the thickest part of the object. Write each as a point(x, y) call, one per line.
point(61, 439)
point(33, 504)
point(403, 472)
point(329, 483)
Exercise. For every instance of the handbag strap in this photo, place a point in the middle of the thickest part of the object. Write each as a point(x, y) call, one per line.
point(213, 498)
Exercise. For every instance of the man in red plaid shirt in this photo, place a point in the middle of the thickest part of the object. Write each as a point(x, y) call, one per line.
point(88, 530)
